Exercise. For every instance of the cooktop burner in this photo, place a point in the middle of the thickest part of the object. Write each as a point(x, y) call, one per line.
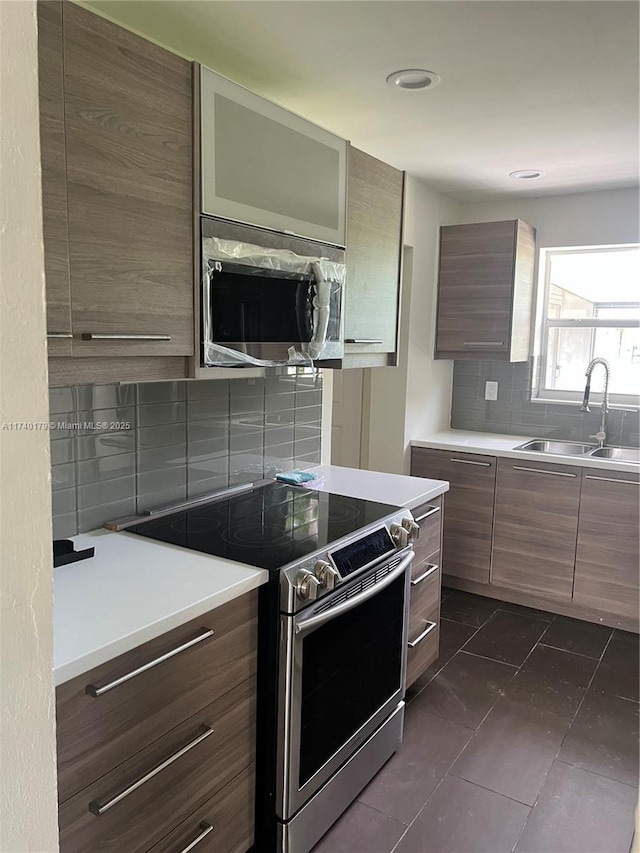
point(268, 527)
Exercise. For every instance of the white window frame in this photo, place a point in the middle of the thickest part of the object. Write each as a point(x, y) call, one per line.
point(549, 395)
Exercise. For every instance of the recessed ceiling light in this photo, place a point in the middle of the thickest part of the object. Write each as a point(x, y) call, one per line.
point(414, 78)
point(526, 174)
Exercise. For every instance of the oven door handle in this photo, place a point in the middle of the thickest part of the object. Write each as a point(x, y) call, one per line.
point(315, 621)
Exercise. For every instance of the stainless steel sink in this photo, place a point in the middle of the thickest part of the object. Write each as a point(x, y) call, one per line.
point(620, 454)
point(559, 448)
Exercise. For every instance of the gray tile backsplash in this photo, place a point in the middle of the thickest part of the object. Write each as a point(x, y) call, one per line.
point(120, 449)
point(514, 413)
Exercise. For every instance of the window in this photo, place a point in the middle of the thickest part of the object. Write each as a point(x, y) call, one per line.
point(590, 307)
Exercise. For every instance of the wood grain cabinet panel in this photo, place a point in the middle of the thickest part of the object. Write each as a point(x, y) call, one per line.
point(429, 517)
point(535, 527)
point(128, 119)
point(97, 733)
point(374, 246)
point(136, 804)
point(423, 642)
point(424, 601)
point(425, 598)
point(225, 824)
point(468, 516)
point(54, 177)
point(485, 291)
point(607, 575)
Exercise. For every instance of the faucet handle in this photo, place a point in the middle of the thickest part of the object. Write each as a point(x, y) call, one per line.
point(599, 436)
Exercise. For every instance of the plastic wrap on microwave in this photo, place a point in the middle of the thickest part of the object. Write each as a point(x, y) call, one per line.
point(328, 277)
point(217, 355)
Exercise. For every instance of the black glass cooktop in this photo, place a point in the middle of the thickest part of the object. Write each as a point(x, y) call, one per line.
point(269, 527)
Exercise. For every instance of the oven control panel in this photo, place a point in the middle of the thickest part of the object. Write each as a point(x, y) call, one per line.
point(363, 551)
point(323, 572)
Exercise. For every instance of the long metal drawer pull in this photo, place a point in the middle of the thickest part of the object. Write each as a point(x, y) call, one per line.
point(431, 511)
point(542, 471)
point(363, 341)
point(59, 335)
point(206, 829)
point(413, 643)
point(484, 343)
point(315, 621)
point(433, 567)
point(100, 808)
point(95, 692)
point(612, 480)
point(471, 462)
point(89, 336)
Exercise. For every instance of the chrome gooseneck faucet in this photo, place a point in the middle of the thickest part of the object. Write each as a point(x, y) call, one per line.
point(601, 435)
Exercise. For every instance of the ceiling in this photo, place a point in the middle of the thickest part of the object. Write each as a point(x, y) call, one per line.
point(526, 84)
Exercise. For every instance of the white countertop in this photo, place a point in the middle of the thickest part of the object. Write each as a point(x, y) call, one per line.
point(131, 591)
point(490, 444)
point(395, 489)
point(135, 589)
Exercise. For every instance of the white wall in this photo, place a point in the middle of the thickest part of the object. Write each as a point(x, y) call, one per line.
point(28, 813)
point(414, 398)
point(579, 219)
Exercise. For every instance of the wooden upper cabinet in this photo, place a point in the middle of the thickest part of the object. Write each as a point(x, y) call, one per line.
point(54, 177)
point(485, 291)
point(128, 123)
point(468, 519)
point(535, 527)
point(607, 574)
point(374, 247)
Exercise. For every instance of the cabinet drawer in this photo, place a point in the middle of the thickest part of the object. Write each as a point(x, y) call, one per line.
point(424, 599)
point(98, 732)
point(423, 646)
point(140, 801)
point(429, 517)
point(225, 824)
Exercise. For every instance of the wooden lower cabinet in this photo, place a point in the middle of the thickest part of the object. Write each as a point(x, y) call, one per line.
point(225, 824)
point(545, 535)
point(424, 618)
point(183, 770)
point(468, 521)
point(150, 739)
point(96, 733)
point(424, 601)
point(535, 527)
point(429, 517)
point(607, 574)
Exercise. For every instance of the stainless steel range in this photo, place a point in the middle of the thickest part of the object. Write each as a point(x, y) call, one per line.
point(333, 634)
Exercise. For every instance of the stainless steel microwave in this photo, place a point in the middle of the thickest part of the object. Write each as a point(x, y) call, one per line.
point(268, 298)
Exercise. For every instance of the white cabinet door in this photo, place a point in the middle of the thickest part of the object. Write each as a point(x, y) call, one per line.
point(266, 166)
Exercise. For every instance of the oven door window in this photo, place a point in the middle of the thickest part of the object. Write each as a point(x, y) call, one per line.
point(351, 667)
point(255, 305)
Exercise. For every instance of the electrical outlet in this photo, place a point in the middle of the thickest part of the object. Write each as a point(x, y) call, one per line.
point(490, 390)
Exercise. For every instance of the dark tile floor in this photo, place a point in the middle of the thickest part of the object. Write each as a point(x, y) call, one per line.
point(523, 736)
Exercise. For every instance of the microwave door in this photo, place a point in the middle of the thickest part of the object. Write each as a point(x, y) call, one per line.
point(262, 313)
